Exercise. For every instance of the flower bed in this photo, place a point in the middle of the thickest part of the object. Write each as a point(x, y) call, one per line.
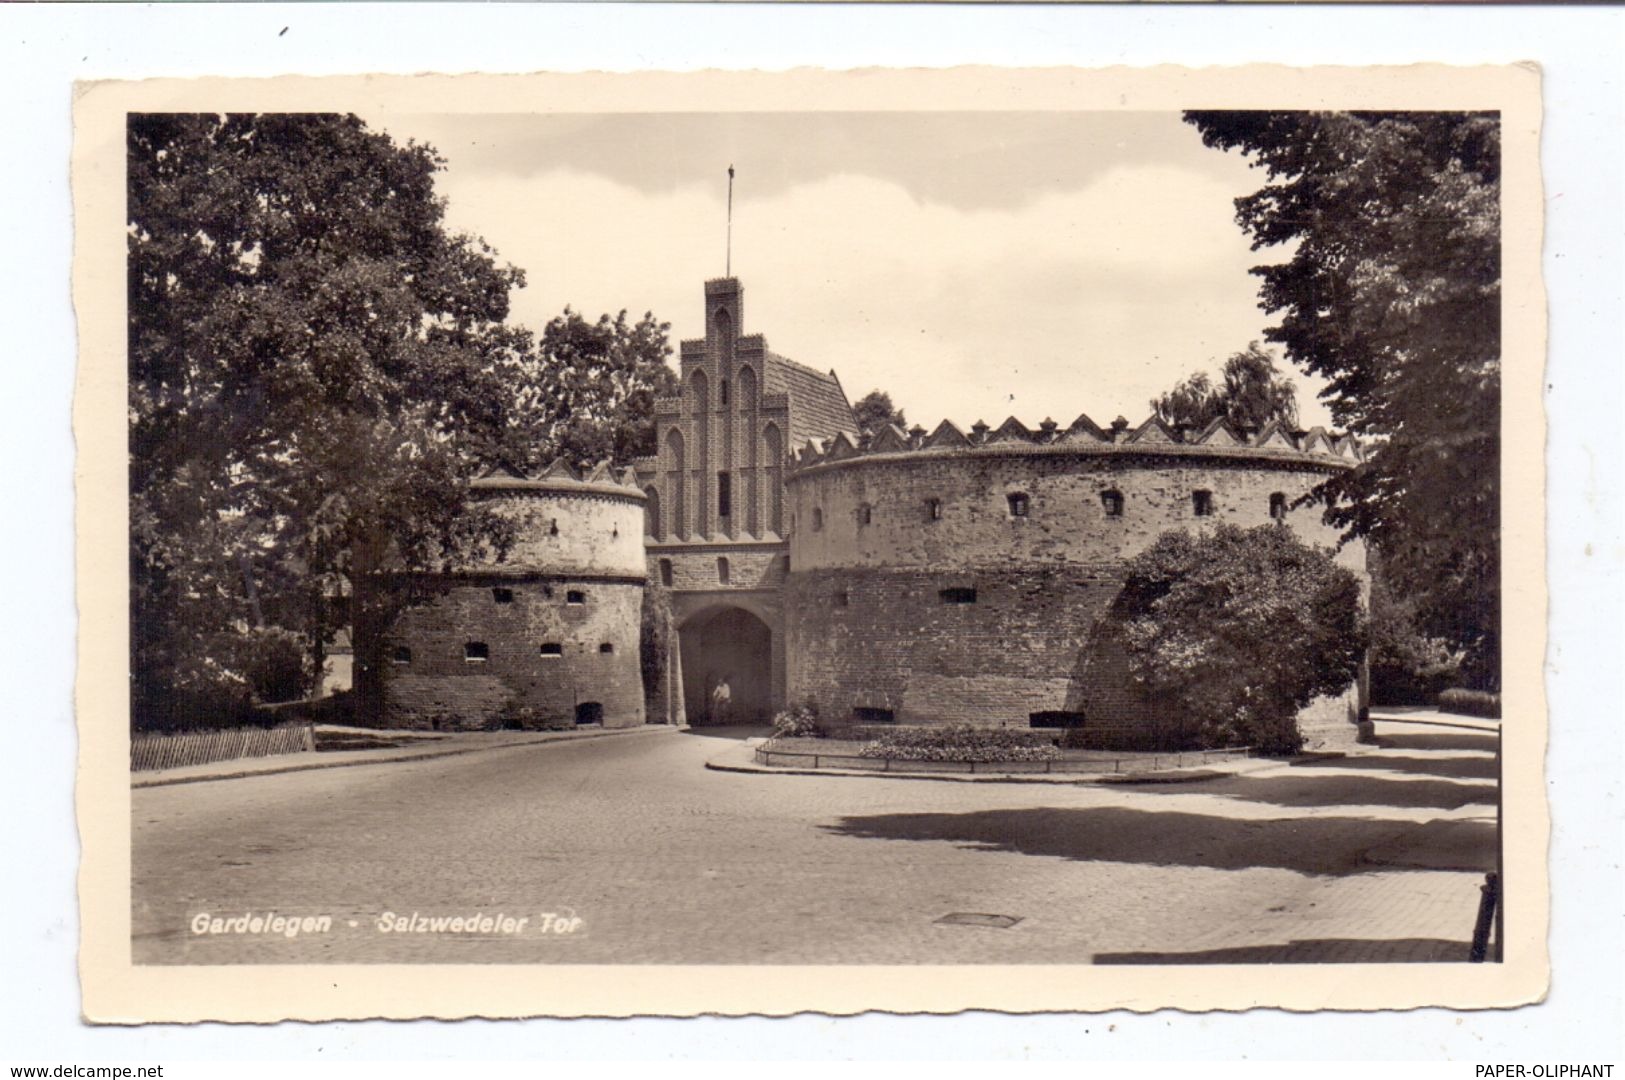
point(960, 742)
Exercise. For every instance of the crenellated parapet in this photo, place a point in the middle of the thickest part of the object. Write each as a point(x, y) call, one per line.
point(1315, 447)
point(561, 478)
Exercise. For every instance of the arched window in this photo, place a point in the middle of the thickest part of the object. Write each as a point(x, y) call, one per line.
point(723, 573)
point(1019, 503)
point(1112, 501)
point(818, 518)
point(722, 397)
point(933, 509)
point(1278, 506)
point(665, 572)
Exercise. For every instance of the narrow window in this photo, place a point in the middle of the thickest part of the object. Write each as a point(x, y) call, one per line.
point(606, 648)
point(1057, 718)
point(553, 527)
point(502, 596)
point(725, 492)
point(723, 572)
point(552, 648)
point(958, 596)
point(575, 596)
point(724, 391)
point(400, 655)
point(665, 572)
point(1018, 504)
point(866, 514)
point(818, 519)
point(1113, 502)
point(1278, 506)
point(1202, 503)
point(933, 509)
point(476, 652)
point(843, 599)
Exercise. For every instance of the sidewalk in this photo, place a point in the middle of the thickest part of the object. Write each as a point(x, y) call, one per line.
point(470, 742)
point(741, 758)
point(1432, 717)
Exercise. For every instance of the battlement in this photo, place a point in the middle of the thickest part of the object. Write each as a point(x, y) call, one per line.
point(560, 478)
point(1274, 441)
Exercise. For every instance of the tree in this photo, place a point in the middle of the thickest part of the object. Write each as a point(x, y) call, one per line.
point(307, 346)
point(1392, 293)
point(1237, 630)
point(874, 411)
point(1251, 394)
point(587, 394)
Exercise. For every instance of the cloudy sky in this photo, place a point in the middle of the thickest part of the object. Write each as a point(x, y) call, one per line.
point(973, 265)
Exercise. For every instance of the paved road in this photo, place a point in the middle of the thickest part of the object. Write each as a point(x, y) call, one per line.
point(663, 861)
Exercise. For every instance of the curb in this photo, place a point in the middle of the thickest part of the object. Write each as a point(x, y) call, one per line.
point(425, 755)
point(721, 763)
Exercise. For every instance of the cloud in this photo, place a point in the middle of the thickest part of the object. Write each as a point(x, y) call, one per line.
point(1090, 300)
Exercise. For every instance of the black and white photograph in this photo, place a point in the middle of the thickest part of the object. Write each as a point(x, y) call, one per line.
point(1014, 532)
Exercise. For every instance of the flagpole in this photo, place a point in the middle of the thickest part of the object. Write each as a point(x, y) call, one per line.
point(729, 263)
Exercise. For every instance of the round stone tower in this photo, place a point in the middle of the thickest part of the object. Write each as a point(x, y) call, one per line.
point(957, 577)
point(545, 637)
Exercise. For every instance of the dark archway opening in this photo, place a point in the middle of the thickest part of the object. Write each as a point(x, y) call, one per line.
point(589, 712)
point(727, 646)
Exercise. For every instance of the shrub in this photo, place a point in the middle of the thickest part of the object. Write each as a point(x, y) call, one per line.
point(798, 722)
point(1237, 630)
point(1471, 703)
point(961, 742)
point(278, 666)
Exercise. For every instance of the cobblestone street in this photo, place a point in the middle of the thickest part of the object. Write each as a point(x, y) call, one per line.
point(1374, 857)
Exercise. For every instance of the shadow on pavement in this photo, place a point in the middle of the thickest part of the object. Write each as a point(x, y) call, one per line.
point(1311, 951)
point(1332, 846)
point(1364, 790)
point(1440, 740)
point(1452, 768)
point(731, 731)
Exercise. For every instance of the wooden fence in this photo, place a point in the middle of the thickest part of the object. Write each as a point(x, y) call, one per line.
point(169, 751)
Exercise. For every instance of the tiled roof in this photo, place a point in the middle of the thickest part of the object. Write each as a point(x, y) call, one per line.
point(818, 405)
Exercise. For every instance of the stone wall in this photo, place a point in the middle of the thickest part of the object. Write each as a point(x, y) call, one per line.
point(878, 602)
point(431, 682)
point(545, 636)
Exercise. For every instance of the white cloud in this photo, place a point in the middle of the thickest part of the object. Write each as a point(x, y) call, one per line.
point(1089, 301)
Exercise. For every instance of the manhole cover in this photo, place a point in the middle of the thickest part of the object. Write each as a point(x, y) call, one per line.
point(976, 918)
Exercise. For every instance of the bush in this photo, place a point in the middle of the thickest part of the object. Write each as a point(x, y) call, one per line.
point(962, 742)
point(1471, 703)
point(798, 722)
point(1237, 630)
point(278, 666)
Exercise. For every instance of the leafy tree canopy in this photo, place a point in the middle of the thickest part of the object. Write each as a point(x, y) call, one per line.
point(307, 343)
point(1392, 292)
point(1237, 630)
point(874, 411)
point(587, 394)
point(1250, 393)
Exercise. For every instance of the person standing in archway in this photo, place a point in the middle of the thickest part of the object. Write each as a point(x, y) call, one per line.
point(721, 702)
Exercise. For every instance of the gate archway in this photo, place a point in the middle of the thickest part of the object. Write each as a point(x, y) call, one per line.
point(727, 644)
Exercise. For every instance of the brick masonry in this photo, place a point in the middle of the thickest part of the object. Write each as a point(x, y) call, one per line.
point(819, 575)
point(561, 645)
point(868, 623)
